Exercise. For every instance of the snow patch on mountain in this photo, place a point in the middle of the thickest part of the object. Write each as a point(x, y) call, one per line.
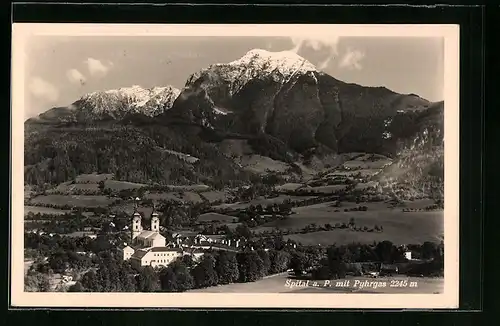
point(266, 62)
point(134, 99)
point(257, 63)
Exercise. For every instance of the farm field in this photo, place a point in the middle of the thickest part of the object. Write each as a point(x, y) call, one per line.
point(262, 164)
point(263, 202)
point(184, 197)
point(93, 178)
point(194, 188)
point(68, 188)
point(90, 183)
point(289, 187)
point(349, 173)
point(209, 217)
point(232, 226)
point(44, 210)
point(399, 227)
point(215, 196)
point(345, 236)
point(121, 185)
point(72, 200)
point(326, 189)
point(128, 208)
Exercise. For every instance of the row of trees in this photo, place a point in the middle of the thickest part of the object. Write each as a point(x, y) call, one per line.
point(215, 268)
point(337, 261)
point(61, 249)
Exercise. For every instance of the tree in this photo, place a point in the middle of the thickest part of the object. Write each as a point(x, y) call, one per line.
point(298, 262)
point(429, 250)
point(385, 251)
point(243, 230)
point(90, 282)
point(188, 261)
point(226, 267)
point(176, 278)
point(36, 282)
point(266, 262)
point(77, 287)
point(204, 273)
point(249, 266)
point(168, 279)
point(337, 260)
point(59, 261)
point(280, 260)
point(148, 280)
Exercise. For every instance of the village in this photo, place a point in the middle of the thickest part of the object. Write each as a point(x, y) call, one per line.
point(142, 243)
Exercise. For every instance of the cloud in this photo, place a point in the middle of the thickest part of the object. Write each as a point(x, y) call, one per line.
point(324, 64)
point(75, 76)
point(97, 68)
point(317, 43)
point(43, 89)
point(329, 42)
point(352, 60)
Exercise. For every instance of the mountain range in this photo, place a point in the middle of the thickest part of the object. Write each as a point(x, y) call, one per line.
point(112, 104)
point(278, 104)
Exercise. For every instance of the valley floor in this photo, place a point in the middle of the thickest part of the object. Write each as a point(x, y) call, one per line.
point(281, 283)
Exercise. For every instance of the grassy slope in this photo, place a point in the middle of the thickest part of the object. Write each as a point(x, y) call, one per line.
point(398, 227)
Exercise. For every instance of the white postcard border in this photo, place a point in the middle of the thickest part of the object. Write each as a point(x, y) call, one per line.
point(447, 299)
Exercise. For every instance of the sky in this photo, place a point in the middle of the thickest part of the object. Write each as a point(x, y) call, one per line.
point(60, 69)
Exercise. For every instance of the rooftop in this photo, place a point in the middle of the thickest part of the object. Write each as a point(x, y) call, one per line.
point(139, 254)
point(166, 249)
point(149, 235)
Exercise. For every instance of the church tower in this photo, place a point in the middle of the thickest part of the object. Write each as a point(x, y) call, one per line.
point(155, 221)
point(136, 223)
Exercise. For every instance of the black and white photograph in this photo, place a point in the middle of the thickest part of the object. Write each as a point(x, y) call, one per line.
point(264, 166)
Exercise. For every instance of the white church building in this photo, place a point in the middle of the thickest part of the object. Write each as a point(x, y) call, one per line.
point(148, 247)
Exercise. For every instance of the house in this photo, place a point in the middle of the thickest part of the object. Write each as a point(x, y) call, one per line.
point(155, 257)
point(407, 255)
point(212, 238)
point(126, 251)
point(184, 237)
point(161, 256)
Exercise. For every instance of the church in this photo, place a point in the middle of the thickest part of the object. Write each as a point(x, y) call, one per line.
point(148, 247)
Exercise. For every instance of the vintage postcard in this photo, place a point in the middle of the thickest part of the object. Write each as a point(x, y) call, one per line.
point(242, 166)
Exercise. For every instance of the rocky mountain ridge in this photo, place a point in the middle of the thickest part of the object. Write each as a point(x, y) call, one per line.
point(285, 97)
point(277, 105)
point(113, 104)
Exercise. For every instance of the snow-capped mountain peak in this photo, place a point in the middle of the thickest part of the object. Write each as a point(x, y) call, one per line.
point(286, 62)
point(133, 99)
point(257, 63)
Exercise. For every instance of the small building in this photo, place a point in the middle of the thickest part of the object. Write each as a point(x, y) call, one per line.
point(126, 251)
point(155, 257)
point(408, 255)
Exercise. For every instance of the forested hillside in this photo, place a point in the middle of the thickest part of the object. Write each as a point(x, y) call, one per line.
point(57, 154)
